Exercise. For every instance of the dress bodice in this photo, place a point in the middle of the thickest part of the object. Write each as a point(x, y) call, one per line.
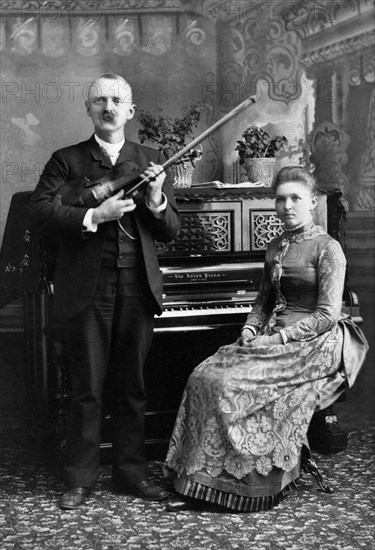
point(309, 278)
point(299, 281)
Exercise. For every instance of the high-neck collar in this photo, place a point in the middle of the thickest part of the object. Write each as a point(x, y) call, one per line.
point(298, 229)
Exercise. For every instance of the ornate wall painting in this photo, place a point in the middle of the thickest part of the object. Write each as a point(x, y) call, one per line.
point(329, 146)
point(157, 34)
point(365, 197)
point(2, 36)
point(125, 35)
point(23, 37)
point(88, 35)
point(194, 33)
point(27, 126)
point(55, 37)
point(262, 51)
point(368, 67)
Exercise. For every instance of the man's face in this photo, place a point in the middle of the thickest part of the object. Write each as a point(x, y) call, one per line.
point(109, 105)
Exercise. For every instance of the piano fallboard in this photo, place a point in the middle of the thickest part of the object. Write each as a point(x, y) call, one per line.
point(202, 293)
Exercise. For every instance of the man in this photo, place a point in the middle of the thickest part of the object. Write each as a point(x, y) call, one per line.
point(107, 288)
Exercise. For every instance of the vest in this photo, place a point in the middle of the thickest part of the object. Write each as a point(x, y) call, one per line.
point(120, 250)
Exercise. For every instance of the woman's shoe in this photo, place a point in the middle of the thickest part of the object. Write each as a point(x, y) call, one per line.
point(181, 504)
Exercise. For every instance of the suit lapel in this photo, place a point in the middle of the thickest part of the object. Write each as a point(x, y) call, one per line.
point(128, 153)
point(98, 153)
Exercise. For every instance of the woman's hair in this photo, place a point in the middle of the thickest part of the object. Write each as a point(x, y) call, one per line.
point(296, 174)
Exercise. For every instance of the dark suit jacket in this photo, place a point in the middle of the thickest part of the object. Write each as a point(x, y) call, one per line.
point(79, 257)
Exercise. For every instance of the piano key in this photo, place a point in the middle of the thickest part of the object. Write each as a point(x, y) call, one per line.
point(204, 311)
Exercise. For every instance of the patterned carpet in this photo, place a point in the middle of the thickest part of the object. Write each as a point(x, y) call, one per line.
point(307, 519)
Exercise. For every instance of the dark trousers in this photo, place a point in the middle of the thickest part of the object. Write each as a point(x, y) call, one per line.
point(112, 335)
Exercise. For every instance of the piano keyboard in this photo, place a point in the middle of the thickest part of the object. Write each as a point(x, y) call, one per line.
point(218, 310)
point(210, 315)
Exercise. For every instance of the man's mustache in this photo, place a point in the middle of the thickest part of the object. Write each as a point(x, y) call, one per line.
point(107, 116)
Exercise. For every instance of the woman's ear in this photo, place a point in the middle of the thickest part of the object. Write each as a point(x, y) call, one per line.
point(314, 202)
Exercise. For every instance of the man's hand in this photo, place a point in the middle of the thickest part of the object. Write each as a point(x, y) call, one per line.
point(154, 188)
point(112, 209)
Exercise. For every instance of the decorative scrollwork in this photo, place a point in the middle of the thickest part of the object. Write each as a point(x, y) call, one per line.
point(23, 37)
point(88, 36)
point(86, 6)
point(195, 34)
point(339, 49)
point(354, 77)
point(364, 198)
point(265, 226)
point(329, 153)
point(124, 33)
point(202, 232)
point(368, 61)
point(255, 51)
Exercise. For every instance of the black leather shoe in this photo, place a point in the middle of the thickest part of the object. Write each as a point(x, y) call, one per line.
point(74, 498)
point(145, 490)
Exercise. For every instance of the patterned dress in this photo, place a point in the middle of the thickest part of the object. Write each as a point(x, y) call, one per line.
point(245, 411)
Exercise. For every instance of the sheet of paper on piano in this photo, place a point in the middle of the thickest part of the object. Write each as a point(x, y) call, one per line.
point(218, 184)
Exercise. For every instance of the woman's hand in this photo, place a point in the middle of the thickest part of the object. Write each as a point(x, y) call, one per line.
point(264, 340)
point(247, 335)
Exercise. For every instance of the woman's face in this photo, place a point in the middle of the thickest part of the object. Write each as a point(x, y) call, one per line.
point(294, 203)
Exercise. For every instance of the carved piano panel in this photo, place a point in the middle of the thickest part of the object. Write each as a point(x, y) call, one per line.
point(264, 226)
point(201, 231)
point(228, 220)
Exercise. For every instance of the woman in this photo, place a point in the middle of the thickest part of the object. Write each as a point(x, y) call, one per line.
point(245, 411)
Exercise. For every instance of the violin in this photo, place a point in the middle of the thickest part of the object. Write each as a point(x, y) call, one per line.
point(92, 193)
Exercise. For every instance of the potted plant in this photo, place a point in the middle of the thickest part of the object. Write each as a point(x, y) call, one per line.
point(257, 152)
point(171, 135)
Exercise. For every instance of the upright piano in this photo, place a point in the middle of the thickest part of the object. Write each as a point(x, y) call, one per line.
point(211, 273)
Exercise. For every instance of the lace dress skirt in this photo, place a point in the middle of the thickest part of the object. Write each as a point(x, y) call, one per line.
point(244, 417)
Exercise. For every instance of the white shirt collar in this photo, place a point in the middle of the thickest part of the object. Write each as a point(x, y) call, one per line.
point(110, 148)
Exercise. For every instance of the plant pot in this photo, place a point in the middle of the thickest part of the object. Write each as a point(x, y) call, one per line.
point(260, 170)
point(182, 174)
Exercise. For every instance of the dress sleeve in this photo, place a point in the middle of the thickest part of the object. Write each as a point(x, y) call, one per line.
point(331, 267)
point(265, 300)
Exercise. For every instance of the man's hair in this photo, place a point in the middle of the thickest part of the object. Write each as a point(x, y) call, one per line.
point(112, 76)
point(297, 174)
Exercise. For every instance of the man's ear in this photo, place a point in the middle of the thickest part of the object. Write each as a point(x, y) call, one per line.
point(131, 112)
point(87, 105)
